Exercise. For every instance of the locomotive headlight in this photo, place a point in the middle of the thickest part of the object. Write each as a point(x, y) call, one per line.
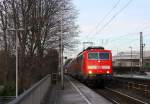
point(107, 72)
point(90, 72)
point(106, 67)
point(92, 67)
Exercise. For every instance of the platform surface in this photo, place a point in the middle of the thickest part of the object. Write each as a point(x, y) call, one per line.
point(74, 93)
point(133, 76)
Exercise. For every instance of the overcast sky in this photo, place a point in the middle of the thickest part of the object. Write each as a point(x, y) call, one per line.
point(121, 26)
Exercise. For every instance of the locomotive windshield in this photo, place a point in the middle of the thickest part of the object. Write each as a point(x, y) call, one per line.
point(93, 55)
point(104, 55)
point(98, 55)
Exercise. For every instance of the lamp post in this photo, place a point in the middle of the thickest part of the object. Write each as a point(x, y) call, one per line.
point(131, 62)
point(61, 52)
point(17, 63)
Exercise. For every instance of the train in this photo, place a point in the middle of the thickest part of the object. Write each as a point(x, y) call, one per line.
point(93, 66)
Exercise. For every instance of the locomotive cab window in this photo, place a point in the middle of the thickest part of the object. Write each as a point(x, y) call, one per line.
point(93, 55)
point(104, 55)
point(98, 55)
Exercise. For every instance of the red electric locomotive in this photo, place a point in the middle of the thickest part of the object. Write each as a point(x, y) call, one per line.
point(92, 65)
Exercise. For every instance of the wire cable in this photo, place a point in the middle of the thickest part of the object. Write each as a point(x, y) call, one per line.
point(98, 24)
point(114, 16)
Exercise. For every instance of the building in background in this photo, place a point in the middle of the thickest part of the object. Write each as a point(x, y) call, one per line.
point(123, 59)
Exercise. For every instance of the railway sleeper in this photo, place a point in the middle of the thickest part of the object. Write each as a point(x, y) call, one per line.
point(147, 93)
point(139, 87)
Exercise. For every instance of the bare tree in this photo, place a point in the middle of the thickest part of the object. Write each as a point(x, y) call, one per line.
point(41, 21)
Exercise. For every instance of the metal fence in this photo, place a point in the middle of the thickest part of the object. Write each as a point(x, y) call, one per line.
point(35, 94)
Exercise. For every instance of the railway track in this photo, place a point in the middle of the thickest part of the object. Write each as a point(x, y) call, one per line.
point(6, 99)
point(118, 97)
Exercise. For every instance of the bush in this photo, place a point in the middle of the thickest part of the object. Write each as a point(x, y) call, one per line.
point(8, 90)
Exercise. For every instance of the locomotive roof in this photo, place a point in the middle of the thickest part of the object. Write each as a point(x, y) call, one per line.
point(92, 47)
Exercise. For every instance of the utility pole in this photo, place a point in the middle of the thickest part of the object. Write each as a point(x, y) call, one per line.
point(61, 54)
point(141, 53)
point(117, 52)
point(17, 55)
point(131, 63)
point(17, 63)
point(102, 42)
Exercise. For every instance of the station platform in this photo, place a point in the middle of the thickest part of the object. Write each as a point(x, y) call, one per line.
point(74, 92)
point(134, 76)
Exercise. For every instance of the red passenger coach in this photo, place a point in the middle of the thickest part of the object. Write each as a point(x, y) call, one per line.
point(94, 64)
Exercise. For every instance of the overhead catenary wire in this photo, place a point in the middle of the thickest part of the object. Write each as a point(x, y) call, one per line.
point(114, 16)
point(111, 19)
point(133, 42)
point(142, 29)
point(123, 37)
point(105, 16)
point(129, 34)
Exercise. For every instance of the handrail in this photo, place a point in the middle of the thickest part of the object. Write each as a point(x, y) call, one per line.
point(35, 94)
